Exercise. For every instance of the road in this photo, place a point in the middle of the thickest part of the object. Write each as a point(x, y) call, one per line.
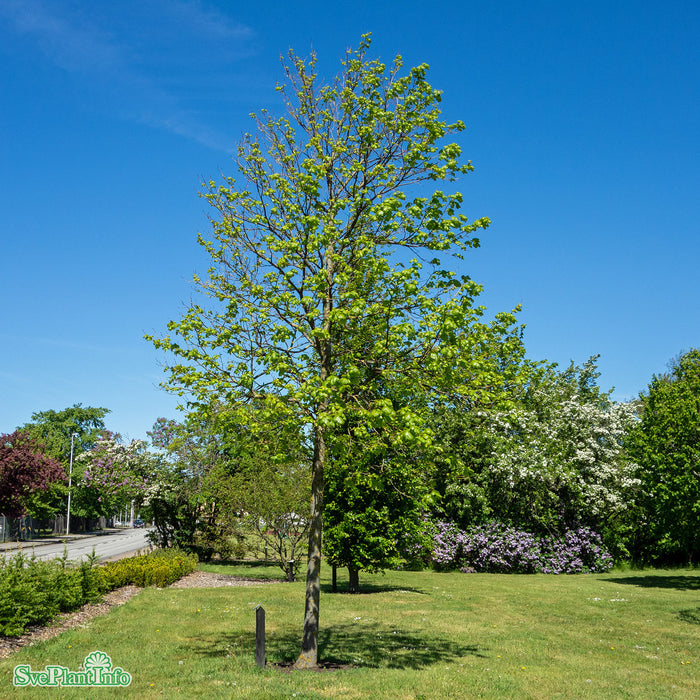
point(107, 546)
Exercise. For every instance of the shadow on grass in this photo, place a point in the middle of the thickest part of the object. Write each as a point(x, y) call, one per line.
point(369, 588)
point(250, 563)
point(369, 645)
point(681, 583)
point(692, 615)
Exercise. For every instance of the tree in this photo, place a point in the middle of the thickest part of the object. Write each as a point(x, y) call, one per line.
point(553, 461)
point(189, 498)
point(666, 444)
point(54, 429)
point(273, 498)
point(374, 510)
point(268, 483)
point(377, 491)
point(325, 206)
point(24, 470)
point(111, 475)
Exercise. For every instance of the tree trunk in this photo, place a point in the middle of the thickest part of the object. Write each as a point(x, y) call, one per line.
point(335, 578)
point(354, 575)
point(309, 645)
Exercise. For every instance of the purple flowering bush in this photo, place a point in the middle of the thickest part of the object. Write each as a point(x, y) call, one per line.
point(498, 548)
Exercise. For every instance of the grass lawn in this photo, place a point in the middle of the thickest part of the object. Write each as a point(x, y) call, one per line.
point(409, 635)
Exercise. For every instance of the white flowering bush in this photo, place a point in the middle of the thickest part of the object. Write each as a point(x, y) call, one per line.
point(112, 474)
point(552, 461)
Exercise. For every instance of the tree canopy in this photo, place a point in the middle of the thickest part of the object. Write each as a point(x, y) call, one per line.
point(666, 443)
point(327, 279)
point(54, 429)
point(24, 470)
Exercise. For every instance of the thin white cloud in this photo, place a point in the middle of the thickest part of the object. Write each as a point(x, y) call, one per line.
point(206, 21)
point(68, 44)
point(145, 59)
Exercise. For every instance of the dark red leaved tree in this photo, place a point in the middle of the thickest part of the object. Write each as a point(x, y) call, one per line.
point(24, 469)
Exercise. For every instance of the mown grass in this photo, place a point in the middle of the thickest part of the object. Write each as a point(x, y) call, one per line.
point(409, 635)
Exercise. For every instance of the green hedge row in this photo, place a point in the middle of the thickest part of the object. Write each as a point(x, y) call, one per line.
point(34, 592)
point(159, 568)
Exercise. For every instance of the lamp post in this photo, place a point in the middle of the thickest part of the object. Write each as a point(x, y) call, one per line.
point(70, 479)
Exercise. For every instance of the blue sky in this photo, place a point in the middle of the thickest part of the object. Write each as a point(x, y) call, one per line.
point(582, 124)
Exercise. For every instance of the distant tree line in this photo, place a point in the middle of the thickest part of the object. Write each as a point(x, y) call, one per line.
point(554, 453)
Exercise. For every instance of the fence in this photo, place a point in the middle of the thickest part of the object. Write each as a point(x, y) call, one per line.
point(29, 528)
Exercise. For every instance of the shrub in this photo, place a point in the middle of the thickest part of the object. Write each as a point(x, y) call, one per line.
point(159, 568)
point(33, 592)
point(497, 548)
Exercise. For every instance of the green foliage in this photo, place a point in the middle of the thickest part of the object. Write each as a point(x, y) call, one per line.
point(376, 497)
point(159, 568)
point(189, 498)
point(33, 592)
point(327, 277)
point(54, 429)
point(554, 461)
point(274, 498)
point(666, 443)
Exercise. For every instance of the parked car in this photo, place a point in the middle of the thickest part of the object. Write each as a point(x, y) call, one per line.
point(139, 523)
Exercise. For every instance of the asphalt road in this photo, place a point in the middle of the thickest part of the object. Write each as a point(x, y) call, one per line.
point(108, 546)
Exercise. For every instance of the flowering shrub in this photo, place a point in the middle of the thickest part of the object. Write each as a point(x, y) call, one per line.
point(497, 548)
point(116, 470)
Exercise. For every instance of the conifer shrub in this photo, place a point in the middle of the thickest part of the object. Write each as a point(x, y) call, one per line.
point(34, 592)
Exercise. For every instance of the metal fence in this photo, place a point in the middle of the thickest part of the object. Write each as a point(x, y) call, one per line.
point(25, 528)
point(29, 528)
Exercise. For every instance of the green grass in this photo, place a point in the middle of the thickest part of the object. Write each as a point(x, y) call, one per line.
point(262, 570)
point(410, 635)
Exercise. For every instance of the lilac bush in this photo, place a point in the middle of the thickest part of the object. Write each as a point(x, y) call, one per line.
point(498, 548)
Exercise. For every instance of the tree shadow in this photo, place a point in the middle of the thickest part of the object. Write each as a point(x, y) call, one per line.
point(692, 615)
point(681, 583)
point(370, 588)
point(369, 645)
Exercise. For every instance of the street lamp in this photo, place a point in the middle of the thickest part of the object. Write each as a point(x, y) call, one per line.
point(70, 479)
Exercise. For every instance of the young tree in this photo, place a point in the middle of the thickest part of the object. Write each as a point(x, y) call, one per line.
point(666, 443)
point(327, 204)
point(24, 470)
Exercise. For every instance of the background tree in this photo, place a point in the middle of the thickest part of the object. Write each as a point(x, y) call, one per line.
point(53, 429)
point(189, 498)
point(112, 475)
point(666, 444)
point(554, 461)
point(376, 490)
point(377, 498)
point(268, 482)
point(324, 201)
point(24, 470)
